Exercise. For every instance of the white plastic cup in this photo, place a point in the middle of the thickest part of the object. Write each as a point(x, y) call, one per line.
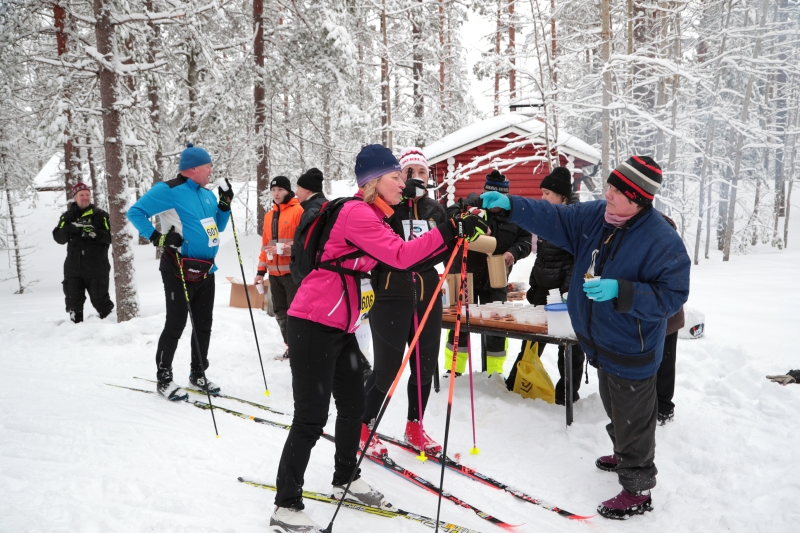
point(260, 287)
point(279, 248)
point(502, 312)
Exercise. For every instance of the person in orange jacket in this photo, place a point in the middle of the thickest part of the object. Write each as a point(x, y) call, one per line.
point(280, 224)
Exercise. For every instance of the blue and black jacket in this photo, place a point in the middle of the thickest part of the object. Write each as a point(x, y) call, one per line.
point(182, 203)
point(623, 336)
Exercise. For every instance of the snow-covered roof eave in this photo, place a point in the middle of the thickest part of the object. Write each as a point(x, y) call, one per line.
point(497, 127)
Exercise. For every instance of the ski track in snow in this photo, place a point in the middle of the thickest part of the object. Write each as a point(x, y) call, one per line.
point(79, 456)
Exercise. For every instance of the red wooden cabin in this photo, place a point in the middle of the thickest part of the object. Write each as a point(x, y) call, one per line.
point(513, 143)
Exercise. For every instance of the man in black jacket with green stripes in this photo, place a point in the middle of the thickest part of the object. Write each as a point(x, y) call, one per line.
point(85, 230)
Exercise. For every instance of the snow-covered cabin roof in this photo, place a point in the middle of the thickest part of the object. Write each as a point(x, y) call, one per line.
point(499, 126)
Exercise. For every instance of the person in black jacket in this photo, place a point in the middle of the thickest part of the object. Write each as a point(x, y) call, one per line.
point(514, 243)
point(309, 192)
point(553, 270)
point(399, 294)
point(86, 231)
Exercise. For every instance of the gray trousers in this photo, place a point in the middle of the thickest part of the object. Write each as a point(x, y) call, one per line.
point(632, 407)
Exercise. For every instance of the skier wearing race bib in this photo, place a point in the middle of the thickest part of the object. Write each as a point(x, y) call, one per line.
point(192, 219)
point(400, 295)
point(325, 358)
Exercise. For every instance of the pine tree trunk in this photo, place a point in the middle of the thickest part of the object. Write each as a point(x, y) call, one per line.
point(781, 115)
point(416, 71)
point(71, 156)
point(386, 101)
point(127, 303)
point(512, 51)
point(605, 144)
point(260, 116)
point(709, 147)
point(497, 63)
point(726, 251)
point(441, 55)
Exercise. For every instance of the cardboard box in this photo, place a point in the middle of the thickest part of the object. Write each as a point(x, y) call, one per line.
point(238, 298)
point(453, 281)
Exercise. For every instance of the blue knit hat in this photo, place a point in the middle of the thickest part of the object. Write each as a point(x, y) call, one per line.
point(373, 161)
point(193, 157)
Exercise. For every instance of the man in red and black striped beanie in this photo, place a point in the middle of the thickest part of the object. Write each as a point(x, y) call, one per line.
point(638, 178)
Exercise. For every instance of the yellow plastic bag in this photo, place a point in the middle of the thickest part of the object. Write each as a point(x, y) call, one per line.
point(533, 381)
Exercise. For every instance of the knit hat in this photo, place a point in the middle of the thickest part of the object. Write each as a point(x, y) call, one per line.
point(638, 178)
point(496, 182)
point(412, 156)
point(78, 187)
point(282, 182)
point(372, 162)
point(559, 181)
point(193, 157)
point(311, 180)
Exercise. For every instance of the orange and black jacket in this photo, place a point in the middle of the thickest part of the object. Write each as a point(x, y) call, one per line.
point(280, 225)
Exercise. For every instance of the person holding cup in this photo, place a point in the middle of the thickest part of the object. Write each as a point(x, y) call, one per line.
point(633, 270)
point(280, 224)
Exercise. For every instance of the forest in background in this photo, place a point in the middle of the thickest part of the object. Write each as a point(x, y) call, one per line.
point(709, 88)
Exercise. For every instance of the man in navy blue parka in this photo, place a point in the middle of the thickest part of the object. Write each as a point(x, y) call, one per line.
point(634, 271)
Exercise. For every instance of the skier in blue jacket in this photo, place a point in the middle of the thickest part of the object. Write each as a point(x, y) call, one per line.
point(634, 271)
point(195, 220)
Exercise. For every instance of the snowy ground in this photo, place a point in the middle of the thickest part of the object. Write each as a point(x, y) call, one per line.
point(77, 455)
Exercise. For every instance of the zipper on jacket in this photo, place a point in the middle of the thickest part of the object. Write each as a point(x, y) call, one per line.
point(641, 338)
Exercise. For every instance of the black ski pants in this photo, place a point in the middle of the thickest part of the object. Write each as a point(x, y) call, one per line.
point(632, 407)
point(665, 384)
point(324, 360)
point(282, 289)
point(201, 298)
point(392, 324)
point(76, 287)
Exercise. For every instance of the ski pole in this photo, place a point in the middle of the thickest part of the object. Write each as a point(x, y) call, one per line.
point(474, 450)
point(453, 362)
point(196, 340)
point(411, 236)
point(397, 377)
point(246, 292)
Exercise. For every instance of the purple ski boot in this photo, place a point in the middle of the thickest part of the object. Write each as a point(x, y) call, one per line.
point(626, 504)
point(607, 463)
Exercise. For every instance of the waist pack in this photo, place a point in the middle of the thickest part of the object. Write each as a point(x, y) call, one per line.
point(194, 270)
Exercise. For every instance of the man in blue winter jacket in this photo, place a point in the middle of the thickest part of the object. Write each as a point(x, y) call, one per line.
point(195, 220)
point(634, 271)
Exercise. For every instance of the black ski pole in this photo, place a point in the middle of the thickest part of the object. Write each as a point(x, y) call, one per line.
point(459, 302)
point(196, 340)
point(389, 394)
point(246, 292)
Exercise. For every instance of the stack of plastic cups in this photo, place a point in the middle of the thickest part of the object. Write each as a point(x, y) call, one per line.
point(554, 296)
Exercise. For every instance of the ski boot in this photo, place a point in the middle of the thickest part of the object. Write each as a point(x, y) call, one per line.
point(361, 492)
point(376, 447)
point(412, 437)
point(171, 391)
point(200, 381)
point(291, 520)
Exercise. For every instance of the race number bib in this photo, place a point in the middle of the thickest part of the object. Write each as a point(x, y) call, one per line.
point(210, 227)
point(367, 299)
point(419, 227)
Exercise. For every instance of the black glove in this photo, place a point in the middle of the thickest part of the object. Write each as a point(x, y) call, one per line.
point(225, 197)
point(410, 190)
point(172, 240)
point(473, 226)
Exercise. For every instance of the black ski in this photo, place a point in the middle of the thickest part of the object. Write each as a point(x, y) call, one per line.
point(481, 478)
point(203, 393)
point(424, 520)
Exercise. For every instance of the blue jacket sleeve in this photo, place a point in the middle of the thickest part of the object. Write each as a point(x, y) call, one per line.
point(661, 298)
point(222, 218)
point(559, 224)
point(155, 201)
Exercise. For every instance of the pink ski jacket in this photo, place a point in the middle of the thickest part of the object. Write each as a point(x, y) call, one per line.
point(359, 226)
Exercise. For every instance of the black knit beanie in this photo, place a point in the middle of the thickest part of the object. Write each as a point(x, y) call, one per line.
point(496, 182)
point(559, 181)
point(282, 182)
point(311, 180)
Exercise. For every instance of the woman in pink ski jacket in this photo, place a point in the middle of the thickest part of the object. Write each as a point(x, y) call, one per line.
point(323, 351)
